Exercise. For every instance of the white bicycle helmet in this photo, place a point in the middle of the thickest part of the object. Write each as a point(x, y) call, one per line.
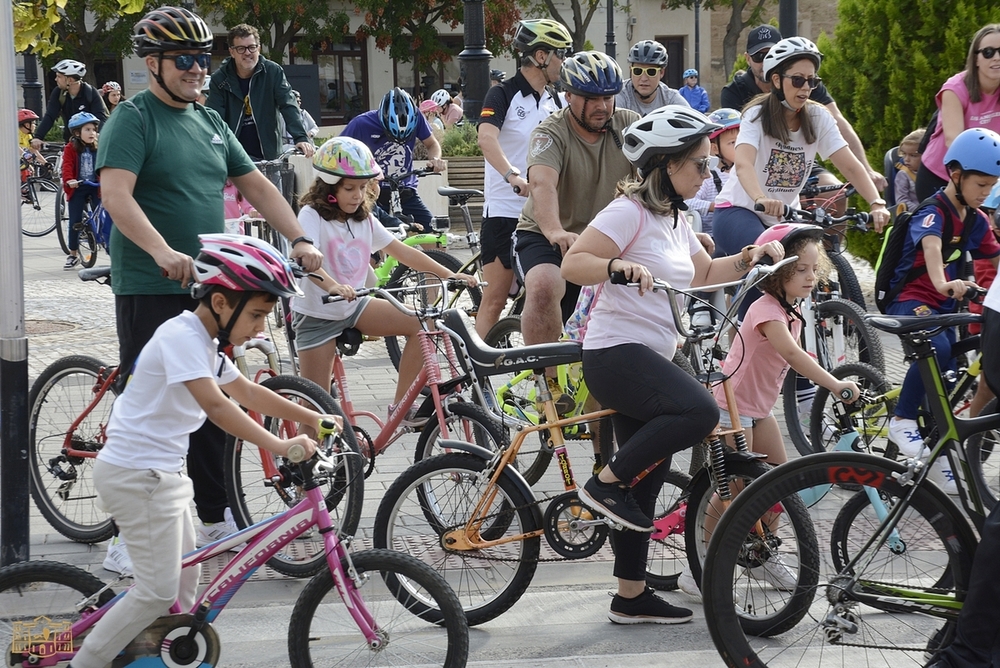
point(70, 68)
point(790, 48)
point(441, 98)
point(665, 131)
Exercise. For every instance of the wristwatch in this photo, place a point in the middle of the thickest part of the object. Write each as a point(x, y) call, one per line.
point(878, 202)
point(298, 240)
point(513, 170)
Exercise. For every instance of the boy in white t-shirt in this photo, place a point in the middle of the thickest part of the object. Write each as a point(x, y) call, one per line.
point(179, 380)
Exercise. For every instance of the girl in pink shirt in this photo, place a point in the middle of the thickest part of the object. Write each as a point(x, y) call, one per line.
point(768, 342)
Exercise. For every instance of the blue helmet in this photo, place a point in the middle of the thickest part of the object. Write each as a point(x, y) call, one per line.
point(977, 150)
point(398, 114)
point(81, 119)
point(591, 73)
point(726, 118)
point(690, 72)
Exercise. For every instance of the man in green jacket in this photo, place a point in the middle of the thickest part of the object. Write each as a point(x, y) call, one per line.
point(248, 91)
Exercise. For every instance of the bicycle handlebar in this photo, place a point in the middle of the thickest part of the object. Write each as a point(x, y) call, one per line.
point(820, 217)
point(398, 179)
point(327, 429)
point(450, 285)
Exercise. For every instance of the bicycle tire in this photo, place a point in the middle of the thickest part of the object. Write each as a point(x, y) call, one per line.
point(872, 423)
point(701, 509)
point(467, 422)
point(862, 345)
point(850, 288)
point(857, 521)
point(253, 497)
point(322, 631)
point(33, 590)
point(62, 221)
point(804, 613)
point(983, 452)
point(666, 557)
point(38, 209)
point(88, 248)
point(437, 494)
point(467, 298)
point(62, 487)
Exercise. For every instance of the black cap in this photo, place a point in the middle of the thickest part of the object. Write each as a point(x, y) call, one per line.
point(762, 37)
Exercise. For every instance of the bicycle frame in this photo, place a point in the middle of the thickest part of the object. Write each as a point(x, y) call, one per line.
point(264, 540)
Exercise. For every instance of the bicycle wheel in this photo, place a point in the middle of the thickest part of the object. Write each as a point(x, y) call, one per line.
point(862, 617)
point(667, 556)
point(254, 497)
point(63, 486)
point(466, 422)
point(871, 423)
point(834, 318)
point(88, 247)
point(38, 202)
point(466, 299)
point(909, 556)
point(62, 221)
point(437, 495)
point(418, 616)
point(705, 509)
point(983, 452)
point(44, 596)
point(850, 288)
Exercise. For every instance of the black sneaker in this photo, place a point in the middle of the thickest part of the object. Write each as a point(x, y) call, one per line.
point(616, 502)
point(646, 608)
point(71, 261)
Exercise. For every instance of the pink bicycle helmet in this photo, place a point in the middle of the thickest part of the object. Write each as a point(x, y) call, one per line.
point(787, 233)
point(243, 264)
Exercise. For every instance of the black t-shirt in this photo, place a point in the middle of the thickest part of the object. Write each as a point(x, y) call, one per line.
point(247, 130)
point(743, 88)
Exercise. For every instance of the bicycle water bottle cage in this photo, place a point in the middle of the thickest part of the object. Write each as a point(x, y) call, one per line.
point(349, 341)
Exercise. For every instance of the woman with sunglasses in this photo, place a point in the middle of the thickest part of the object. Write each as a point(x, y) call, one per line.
point(781, 134)
point(969, 99)
point(631, 337)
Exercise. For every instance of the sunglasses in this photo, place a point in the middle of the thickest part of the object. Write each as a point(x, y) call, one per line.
point(561, 54)
point(186, 61)
point(252, 48)
point(988, 52)
point(759, 56)
point(649, 71)
point(704, 165)
point(799, 81)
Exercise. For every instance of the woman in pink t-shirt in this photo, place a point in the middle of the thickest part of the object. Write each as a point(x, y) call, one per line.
point(970, 99)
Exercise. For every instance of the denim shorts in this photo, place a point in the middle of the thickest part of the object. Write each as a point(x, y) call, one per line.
point(745, 421)
point(313, 332)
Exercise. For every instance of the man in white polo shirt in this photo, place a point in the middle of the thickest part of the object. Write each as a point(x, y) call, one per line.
point(510, 112)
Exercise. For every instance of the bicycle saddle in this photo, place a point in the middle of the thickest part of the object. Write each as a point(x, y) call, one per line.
point(94, 273)
point(906, 324)
point(349, 341)
point(492, 361)
point(458, 196)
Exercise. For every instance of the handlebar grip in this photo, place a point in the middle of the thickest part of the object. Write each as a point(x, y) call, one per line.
point(296, 453)
point(846, 394)
point(327, 428)
point(329, 299)
point(517, 190)
point(618, 278)
point(765, 260)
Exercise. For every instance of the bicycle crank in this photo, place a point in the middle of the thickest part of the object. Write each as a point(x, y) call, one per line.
point(169, 639)
point(571, 529)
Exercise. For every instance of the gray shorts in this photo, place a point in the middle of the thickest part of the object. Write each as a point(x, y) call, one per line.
point(745, 421)
point(313, 332)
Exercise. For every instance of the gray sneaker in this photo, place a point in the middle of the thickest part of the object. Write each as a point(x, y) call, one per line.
point(616, 503)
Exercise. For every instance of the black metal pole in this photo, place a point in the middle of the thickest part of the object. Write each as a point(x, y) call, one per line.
point(697, 35)
point(32, 86)
point(14, 509)
point(609, 44)
point(475, 59)
point(788, 17)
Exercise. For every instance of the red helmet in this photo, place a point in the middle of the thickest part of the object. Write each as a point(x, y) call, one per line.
point(787, 233)
point(26, 115)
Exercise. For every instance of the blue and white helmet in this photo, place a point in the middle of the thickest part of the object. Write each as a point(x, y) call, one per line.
point(398, 114)
point(592, 74)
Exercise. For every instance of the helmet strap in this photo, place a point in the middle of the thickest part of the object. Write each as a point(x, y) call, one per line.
point(958, 186)
point(583, 124)
point(225, 330)
point(159, 79)
point(667, 190)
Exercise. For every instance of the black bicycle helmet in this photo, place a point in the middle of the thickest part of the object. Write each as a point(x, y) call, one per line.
point(648, 52)
point(170, 29)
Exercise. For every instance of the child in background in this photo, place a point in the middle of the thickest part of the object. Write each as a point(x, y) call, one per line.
point(78, 161)
point(906, 177)
point(432, 112)
point(26, 120)
point(768, 343)
point(724, 148)
point(695, 95)
point(337, 213)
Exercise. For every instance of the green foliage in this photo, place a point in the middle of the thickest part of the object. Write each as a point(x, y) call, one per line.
point(740, 64)
point(888, 58)
point(55, 135)
point(865, 245)
point(461, 140)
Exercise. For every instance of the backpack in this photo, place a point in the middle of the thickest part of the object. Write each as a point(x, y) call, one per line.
point(891, 254)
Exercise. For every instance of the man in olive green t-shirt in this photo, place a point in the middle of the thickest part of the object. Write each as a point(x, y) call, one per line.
point(575, 160)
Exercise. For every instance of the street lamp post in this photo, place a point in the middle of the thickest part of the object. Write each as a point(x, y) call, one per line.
point(609, 44)
point(31, 86)
point(475, 59)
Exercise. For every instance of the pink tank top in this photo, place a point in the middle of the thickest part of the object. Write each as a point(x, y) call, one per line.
point(982, 114)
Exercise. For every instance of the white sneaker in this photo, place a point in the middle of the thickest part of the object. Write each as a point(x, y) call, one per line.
point(905, 433)
point(943, 476)
point(804, 401)
point(410, 419)
point(118, 560)
point(686, 583)
point(776, 573)
point(210, 533)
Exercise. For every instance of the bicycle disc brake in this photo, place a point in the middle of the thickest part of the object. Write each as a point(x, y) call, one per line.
point(166, 639)
point(571, 529)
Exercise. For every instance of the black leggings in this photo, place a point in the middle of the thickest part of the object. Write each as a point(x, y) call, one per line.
point(661, 411)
